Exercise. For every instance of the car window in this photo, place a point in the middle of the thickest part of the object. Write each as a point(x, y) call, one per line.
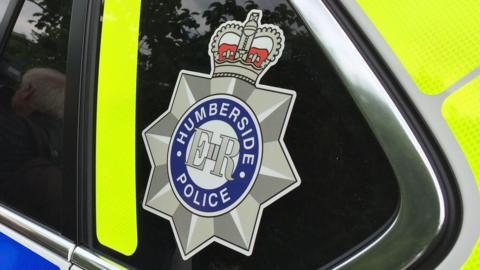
point(32, 81)
point(3, 8)
point(348, 190)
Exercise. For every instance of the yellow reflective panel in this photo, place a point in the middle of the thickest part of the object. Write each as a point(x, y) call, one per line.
point(473, 262)
point(115, 198)
point(437, 42)
point(461, 110)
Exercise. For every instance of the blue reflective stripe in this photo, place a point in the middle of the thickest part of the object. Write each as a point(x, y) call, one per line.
point(14, 256)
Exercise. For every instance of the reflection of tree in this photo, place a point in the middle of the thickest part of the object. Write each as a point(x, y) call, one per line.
point(171, 39)
point(304, 229)
point(219, 13)
point(47, 44)
point(52, 35)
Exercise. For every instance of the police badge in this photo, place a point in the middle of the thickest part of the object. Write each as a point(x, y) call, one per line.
point(218, 156)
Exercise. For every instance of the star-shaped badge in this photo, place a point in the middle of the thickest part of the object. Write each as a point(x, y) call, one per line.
point(217, 154)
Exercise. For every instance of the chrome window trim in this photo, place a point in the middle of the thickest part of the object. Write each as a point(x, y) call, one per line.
point(42, 236)
point(421, 213)
point(87, 260)
point(54, 242)
point(429, 107)
point(7, 22)
point(32, 246)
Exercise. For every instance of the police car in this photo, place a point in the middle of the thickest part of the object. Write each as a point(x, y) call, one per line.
point(239, 134)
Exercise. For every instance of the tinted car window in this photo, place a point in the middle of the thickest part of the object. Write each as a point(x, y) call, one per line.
point(348, 190)
point(32, 81)
point(3, 8)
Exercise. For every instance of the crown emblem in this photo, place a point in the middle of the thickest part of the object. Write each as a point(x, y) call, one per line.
point(246, 50)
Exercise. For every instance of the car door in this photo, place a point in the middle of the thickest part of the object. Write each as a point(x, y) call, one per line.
point(349, 194)
point(347, 176)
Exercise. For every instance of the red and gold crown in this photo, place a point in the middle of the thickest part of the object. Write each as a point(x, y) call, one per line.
point(246, 50)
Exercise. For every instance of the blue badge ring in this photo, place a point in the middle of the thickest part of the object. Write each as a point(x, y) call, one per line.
point(191, 163)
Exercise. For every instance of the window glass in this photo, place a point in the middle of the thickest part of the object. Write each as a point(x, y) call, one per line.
point(3, 8)
point(348, 190)
point(32, 91)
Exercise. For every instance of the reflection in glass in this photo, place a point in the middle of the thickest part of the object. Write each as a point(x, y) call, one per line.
point(40, 36)
point(31, 146)
point(3, 8)
point(348, 188)
point(32, 93)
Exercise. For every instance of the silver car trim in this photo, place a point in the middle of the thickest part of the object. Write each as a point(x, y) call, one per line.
point(430, 109)
point(34, 247)
point(87, 260)
point(42, 236)
point(421, 213)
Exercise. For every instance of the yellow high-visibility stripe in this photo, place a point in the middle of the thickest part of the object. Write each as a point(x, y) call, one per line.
point(115, 195)
point(437, 42)
point(461, 110)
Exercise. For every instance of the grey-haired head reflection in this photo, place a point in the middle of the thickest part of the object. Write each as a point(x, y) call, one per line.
point(42, 90)
point(31, 142)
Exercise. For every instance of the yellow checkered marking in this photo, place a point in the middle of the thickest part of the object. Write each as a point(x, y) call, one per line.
point(437, 42)
point(461, 110)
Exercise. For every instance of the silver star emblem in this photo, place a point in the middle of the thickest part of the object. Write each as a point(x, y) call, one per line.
point(218, 158)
